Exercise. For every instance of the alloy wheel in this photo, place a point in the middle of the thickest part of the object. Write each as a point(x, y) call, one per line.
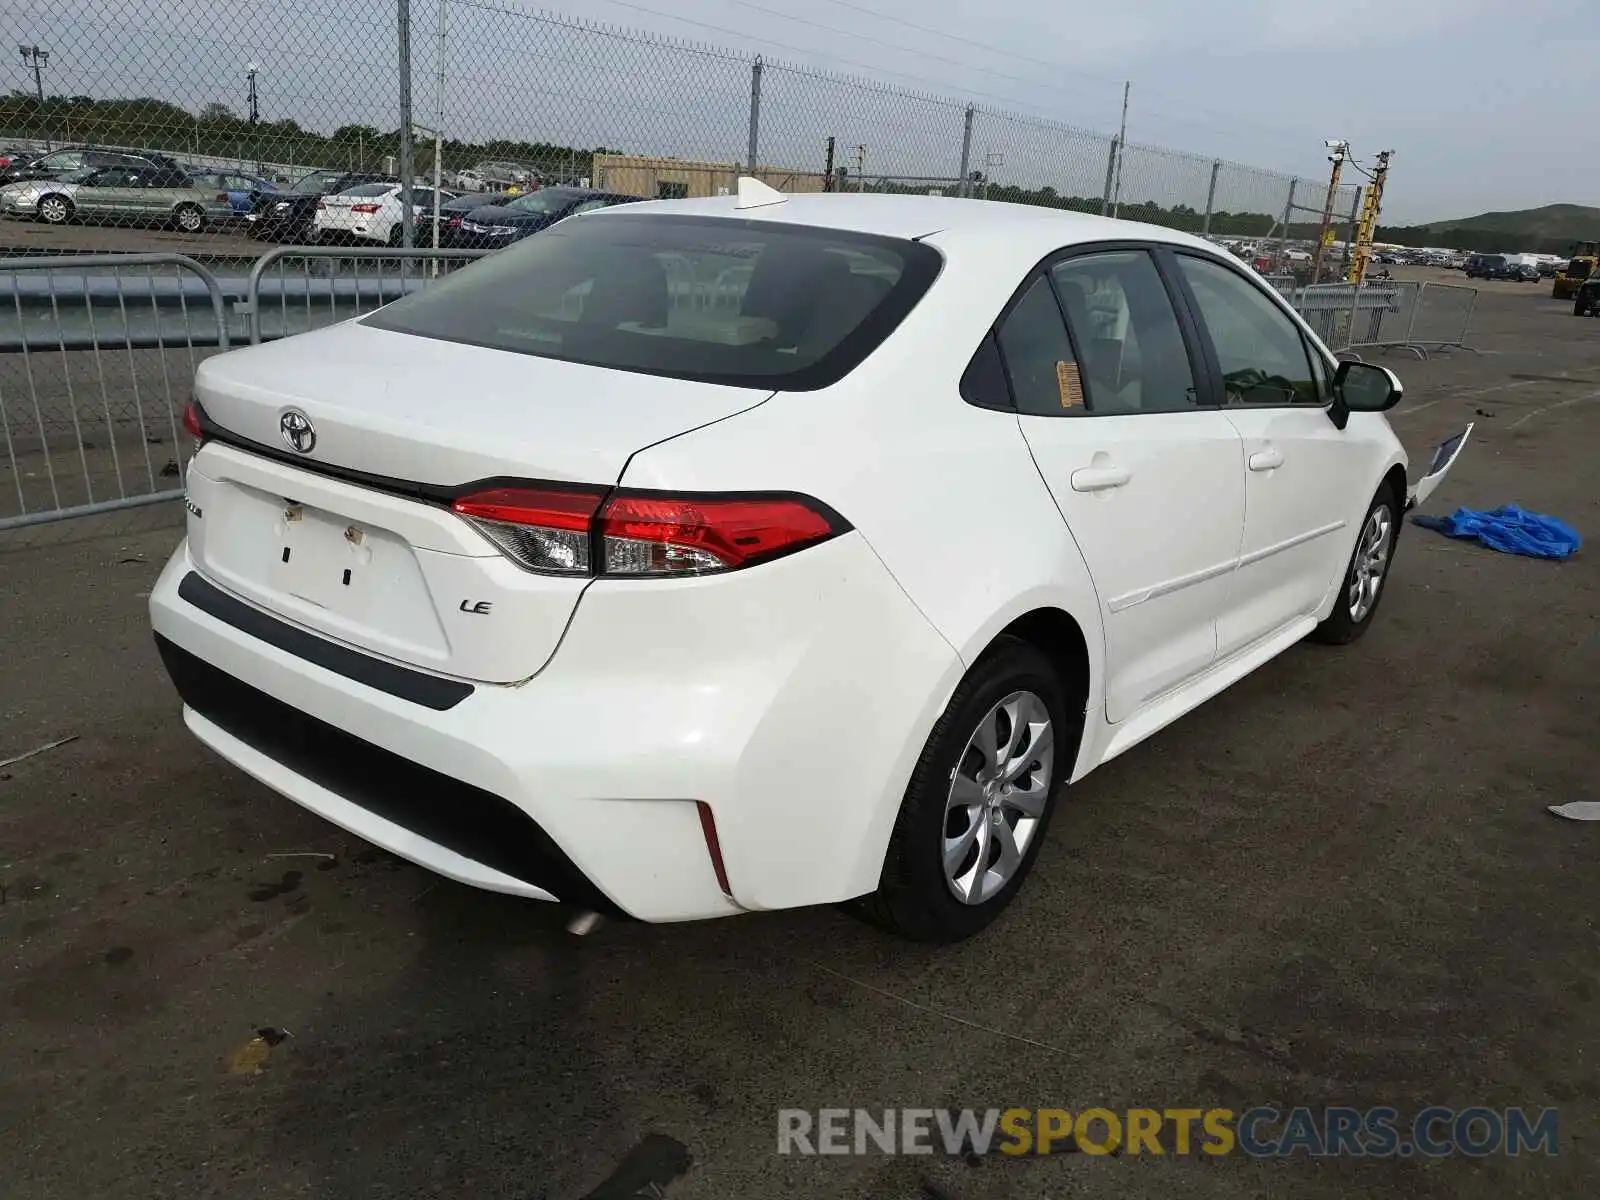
point(1371, 562)
point(998, 792)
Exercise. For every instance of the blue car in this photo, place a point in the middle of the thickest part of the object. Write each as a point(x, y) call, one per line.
point(243, 190)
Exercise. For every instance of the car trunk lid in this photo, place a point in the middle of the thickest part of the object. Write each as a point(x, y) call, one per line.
point(353, 537)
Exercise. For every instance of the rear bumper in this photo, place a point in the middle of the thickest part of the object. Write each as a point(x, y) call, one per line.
point(792, 702)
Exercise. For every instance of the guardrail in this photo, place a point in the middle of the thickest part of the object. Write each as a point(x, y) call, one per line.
point(117, 405)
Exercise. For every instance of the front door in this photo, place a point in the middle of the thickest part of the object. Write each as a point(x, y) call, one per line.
point(1305, 480)
point(1147, 478)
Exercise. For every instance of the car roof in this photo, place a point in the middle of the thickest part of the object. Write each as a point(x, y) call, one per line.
point(1031, 226)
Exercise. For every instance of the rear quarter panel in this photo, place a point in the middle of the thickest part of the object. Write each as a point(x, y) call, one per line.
point(945, 493)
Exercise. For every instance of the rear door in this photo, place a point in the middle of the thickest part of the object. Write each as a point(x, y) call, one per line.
point(1146, 473)
point(1304, 478)
point(108, 196)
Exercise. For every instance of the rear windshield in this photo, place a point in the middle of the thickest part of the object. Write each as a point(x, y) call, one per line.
point(369, 189)
point(746, 303)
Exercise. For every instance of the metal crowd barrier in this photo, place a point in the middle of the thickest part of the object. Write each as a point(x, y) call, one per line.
point(92, 391)
point(318, 293)
point(1389, 315)
point(98, 354)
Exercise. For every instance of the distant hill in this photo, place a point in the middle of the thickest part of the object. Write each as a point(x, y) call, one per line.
point(1551, 229)
point(1570, 221)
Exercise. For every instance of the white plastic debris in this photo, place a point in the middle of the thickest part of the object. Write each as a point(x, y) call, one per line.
point(1578, 810)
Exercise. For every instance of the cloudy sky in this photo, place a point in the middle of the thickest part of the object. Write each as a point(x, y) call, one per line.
point(1488, 104)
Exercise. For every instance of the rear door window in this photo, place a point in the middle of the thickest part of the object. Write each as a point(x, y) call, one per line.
point(746, 303)
point(1131, 351)
point(1038, 355)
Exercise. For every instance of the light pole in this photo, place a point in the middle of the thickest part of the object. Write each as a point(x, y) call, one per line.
point(250, 73)
point(36, 57)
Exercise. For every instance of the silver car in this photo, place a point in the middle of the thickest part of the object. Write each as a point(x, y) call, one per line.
point(123, 195)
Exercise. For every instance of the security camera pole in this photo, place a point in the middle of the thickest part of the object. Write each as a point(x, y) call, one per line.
point(38, 58)
point(1340, 151)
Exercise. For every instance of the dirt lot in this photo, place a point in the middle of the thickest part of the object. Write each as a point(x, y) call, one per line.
point(1336, 883)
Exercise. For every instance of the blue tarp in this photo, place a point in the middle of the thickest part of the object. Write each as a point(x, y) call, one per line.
point(1509, 529)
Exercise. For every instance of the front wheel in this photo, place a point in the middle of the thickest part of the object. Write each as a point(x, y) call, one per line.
point(979, 801)
point(1368, 571)
point(55, 210)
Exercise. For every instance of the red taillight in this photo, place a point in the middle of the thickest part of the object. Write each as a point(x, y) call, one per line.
point(454, 222)
point(665, 535)
point(543, 530)
point(636, 535)
point(191, 421)
point(364, 208)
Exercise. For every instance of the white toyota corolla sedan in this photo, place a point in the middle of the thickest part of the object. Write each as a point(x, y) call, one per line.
point(696, 557)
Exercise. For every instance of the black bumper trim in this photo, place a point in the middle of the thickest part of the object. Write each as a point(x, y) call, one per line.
point(474, 823)
point(430, 691)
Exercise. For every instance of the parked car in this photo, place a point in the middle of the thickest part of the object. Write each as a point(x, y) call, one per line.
point(495, 226)
point(1522, 268)
point(769, 551)
point(371, 212)
point(116, 196)
point(1488, 266)
point(286, 216)
point(453, 213)
point(243, 191)
point(58, 163)
point(498, 175)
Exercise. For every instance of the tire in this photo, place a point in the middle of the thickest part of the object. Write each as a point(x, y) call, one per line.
point(188, 218)
point(1579, 308)
point(55, 209)
point(917, 898)
point(397, 235)
point(1375, 544)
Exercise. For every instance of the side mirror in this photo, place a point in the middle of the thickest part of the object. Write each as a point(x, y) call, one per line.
point(1363, 387)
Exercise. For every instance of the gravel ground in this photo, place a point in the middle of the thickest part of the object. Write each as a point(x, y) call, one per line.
point(1336, 883)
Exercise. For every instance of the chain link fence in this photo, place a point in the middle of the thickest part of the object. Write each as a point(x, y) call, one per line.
point(212, 128)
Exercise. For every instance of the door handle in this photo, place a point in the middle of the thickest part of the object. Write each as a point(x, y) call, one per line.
point(1099, 479)
point(1266, 460)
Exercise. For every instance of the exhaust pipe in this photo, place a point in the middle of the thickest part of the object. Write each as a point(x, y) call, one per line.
point(584, 923)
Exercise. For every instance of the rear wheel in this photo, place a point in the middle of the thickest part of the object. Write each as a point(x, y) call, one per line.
point(189, 218)
point(979, 801)
point(55, 210)
point(1368, 571)
point(397, 235)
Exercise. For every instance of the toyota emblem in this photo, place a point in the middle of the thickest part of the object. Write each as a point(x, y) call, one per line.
point(298, 432)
